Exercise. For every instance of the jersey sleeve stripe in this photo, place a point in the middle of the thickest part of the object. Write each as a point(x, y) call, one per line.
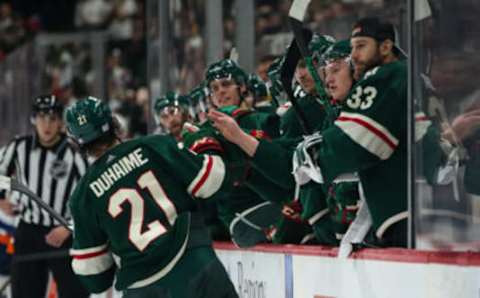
point(368, 133)
point(89, 255)
point(422, 123)
point(209, 178)
point(420, 116)
point(200, 148)
point(94, 264)
point(95, 249)
point(207, 142)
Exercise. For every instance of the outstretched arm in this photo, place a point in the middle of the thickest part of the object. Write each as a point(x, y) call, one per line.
point(229, 128)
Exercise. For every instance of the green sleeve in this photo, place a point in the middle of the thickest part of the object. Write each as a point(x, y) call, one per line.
point(92, 260)
point(205, 140)
point(202, 175)
point(273, 159)
point(314, 115)
point(313, 199)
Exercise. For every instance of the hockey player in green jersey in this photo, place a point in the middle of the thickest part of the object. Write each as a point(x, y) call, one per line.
point(291, 130)
point(199, 99)
point(171, 112)
point(290, 127)
point(174, 113)
point(261, 97)
point(330, 208)
point(134, 212)
point(274, 82)
point(245, 211)
point(306, 93)
point(368, 137)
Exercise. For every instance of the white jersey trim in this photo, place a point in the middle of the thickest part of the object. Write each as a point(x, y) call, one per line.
point(153, 278)
point(422, 123)
point(80, 252)
point(91, 261)
point(368, 133)
point(209, 179)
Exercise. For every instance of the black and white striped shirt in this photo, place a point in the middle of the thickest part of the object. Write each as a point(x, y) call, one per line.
point(51, 173)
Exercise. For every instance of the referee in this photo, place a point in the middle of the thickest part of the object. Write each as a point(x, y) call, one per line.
point(48, 164)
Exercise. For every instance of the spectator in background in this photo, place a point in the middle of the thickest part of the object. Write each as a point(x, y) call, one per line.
point(12, 31)
point(118, 75)
point(268, 20)
point(92, 14)
point(6, 17)
point(133, 115)
point(122, 25)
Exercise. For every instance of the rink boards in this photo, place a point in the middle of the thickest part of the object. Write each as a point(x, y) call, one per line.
point(290, 271)
point(316, 272)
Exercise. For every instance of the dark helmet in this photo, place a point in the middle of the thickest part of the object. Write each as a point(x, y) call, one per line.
point(88, 119)
point(225, 68)
point(47, 104)
point(258, 87)
point(171, 100)
point(339, 50)
point(275, 86)
point(319, 44)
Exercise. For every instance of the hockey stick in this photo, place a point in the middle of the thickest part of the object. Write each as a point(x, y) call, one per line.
point(286, 76)
point(10, 184)
point(5, 285)
point(302, 38)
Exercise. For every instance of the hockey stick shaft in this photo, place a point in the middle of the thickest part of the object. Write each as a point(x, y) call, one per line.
point(9, 183)
point(302, 38)
point(286, 75)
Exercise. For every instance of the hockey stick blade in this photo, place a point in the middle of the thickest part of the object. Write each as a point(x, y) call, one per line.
point(299, 9)
point(17, 186)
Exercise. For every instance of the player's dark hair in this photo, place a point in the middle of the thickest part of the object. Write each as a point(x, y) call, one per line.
point(106, 140)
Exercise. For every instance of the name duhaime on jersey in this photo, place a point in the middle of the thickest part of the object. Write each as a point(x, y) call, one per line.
point(132, 211)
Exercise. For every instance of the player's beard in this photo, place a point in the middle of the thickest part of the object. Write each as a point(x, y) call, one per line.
point(361, 68)
point(176, 129)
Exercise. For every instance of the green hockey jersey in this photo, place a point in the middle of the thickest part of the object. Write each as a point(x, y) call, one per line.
point(131, 211)
point(314, 112)
point(248, 187)
point(370, 137)
point(328, 208)
point(273, 159)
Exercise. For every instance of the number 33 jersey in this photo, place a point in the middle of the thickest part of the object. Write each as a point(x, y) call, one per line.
point(370, 137)
point(130, 211)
